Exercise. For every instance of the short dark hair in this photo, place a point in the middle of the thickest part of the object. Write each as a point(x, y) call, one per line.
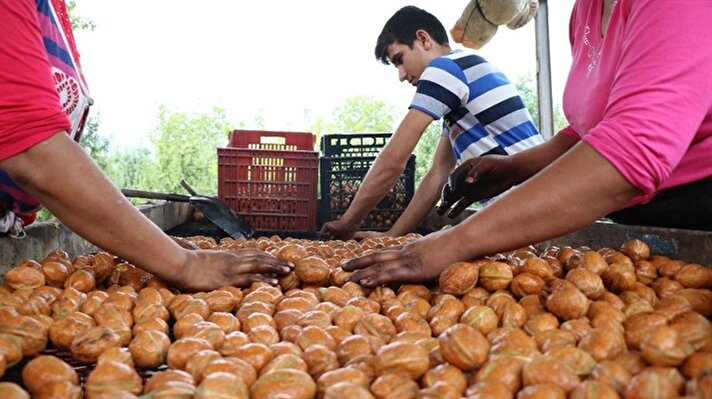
point(401, 28)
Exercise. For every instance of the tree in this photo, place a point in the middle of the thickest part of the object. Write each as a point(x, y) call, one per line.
point(78, 22)
point(360, 114)
point(185, 147)
point(96, 145)
point(527, 89)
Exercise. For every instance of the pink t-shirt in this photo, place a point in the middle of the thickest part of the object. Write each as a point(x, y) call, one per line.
point(642, 95)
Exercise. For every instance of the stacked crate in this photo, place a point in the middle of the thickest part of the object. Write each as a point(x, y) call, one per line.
point(270, 178)
point(343, 166)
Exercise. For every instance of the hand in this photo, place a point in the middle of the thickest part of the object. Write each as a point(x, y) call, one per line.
point(477, 178)
point(362, 235)
point(418, 261)
point(184, 243)
point(207, 270)
point(337, 230)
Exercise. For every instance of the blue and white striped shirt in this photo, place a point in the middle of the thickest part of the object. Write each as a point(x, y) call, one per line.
point(482, 111)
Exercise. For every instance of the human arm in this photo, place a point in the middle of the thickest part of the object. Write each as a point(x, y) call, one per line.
point(68, 183)
point(382, 175)
point(574, 191)
point(428, 192)
point(490, 175)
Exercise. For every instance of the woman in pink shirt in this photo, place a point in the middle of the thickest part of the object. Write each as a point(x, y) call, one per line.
point(638, 148)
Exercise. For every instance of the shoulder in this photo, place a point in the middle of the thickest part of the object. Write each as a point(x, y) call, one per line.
point(457, 61)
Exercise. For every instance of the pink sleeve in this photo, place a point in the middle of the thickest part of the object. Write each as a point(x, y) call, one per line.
point(570, 132)
point(661, 90)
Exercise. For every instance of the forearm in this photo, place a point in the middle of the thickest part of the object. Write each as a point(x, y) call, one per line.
point(531, 161)
point(68, 183)
point(379, 180)
point(571, 193)
point(424, 200)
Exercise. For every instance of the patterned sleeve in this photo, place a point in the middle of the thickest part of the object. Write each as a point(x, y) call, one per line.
point(441, 88)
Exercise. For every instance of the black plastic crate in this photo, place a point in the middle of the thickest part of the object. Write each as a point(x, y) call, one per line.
point(341, 145)
point(340, 178)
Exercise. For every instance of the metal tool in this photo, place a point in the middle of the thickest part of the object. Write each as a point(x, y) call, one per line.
point(213, 208)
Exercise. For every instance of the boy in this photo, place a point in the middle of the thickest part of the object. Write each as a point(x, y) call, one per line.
point(482, 113)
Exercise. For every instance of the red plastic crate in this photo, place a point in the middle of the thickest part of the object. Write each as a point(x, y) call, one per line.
point(272, 183)
point(272, 140)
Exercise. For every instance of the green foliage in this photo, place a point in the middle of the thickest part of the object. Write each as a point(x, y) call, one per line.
point(527, 89)
point(185, 147)
point(131, 168)
point(78, 22)
point(425, 150)
point(360, 114)
point(96, 145)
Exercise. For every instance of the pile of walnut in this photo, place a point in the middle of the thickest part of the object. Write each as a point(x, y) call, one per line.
point(557, 323)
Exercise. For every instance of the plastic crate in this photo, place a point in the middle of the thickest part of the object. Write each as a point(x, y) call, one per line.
point(341, 178)
point(273, 185)
point(272, 140)
point(341, 145)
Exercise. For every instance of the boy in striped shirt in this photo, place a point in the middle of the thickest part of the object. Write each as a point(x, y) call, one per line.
point(482, 113)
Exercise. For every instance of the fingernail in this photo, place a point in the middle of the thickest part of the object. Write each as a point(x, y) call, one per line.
point(286, 269)
point(272, 281)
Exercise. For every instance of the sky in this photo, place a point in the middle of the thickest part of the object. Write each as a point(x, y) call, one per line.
point(275, 60)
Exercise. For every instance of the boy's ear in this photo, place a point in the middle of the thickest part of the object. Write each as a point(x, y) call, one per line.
point(424, 38)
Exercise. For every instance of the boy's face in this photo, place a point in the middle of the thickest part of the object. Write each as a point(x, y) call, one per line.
point(410, 62)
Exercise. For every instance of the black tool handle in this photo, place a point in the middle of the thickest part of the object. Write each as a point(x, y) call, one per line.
point(151, 195)
point(187, 187)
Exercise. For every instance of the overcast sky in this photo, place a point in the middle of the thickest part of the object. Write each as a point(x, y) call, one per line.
point(274, 58)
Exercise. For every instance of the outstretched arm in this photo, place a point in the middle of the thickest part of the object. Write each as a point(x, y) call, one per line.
point(382, 175)
point(571, 193)
point(68, 183)
point(428, 192)
point(490, 175)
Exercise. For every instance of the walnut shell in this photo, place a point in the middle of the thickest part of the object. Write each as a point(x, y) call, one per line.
point(377, 325)
point(546, 371)
point(312, 270)
point(347, 374)
point(23, 277)
point(495, 276)
point(288, 382)
point(394, 386)
point(663, 346)
point(181, 350)
point(636, 249)
point(603, 344)
point(566, 301)
point(45, 369)
point(347, 389)
point(464, 346)
point(459, 277)
point(10, 390)
point(233, 366)
point(448, 374)
point(320, 359)
point(292, 253)
point(654, 382)
point(612, 373)
point(481, 318)
point(222, 385)
point(285, 361)
point(402, 357)
point(257, 355)
point(28, 331)
point(526, 284)
point(108, 377)
point(149, 348)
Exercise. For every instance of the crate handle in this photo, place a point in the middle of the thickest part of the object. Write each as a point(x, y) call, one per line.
point(273, 140)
